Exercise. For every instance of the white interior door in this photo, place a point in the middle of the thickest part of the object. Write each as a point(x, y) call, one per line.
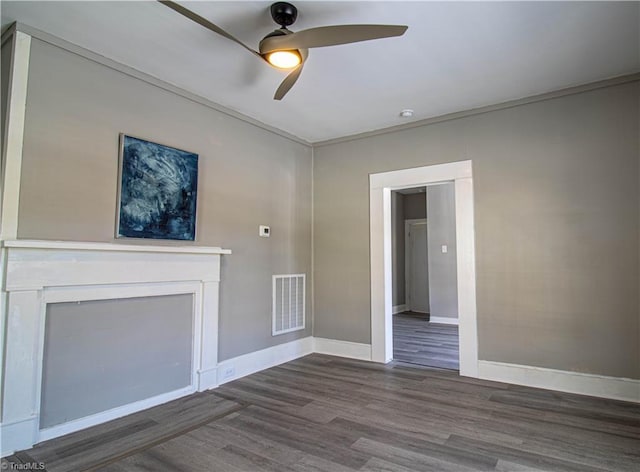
point(416, 266)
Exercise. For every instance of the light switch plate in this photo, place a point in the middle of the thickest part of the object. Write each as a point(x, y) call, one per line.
point(264, 231)
point(444, 249)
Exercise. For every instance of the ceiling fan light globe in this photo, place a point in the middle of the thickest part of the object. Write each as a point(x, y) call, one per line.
point(284, 59)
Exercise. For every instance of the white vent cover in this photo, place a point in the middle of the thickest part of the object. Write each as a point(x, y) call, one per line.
point(288, 303)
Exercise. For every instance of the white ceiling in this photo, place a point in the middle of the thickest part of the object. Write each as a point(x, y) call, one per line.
point(455, 56)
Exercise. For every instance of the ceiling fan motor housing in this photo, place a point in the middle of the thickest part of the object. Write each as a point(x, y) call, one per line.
point(284, 13)
point(278, 32)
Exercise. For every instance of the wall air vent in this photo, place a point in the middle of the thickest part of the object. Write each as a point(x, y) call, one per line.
point(288, 303)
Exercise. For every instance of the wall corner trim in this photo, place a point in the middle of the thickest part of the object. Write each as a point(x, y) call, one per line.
point(602, 386)
point(399, 309)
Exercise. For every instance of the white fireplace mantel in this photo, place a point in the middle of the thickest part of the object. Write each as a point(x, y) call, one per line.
point(35, 273)
point(94, 246)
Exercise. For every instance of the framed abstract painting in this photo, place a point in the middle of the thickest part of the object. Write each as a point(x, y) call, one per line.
point(158, 188)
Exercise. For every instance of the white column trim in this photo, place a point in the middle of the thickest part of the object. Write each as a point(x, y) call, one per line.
point(466, 276)
point(208, 362)
point(14, 133)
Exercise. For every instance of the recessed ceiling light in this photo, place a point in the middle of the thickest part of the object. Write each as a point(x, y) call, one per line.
point(406, 113)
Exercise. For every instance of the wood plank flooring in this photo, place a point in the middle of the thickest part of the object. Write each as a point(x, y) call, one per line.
point(322, 413)
point(92, 447)
point(418, 341)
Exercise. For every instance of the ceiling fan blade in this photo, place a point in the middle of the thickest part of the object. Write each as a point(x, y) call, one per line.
point(288, 82)
point(292, 78)
point(206, 23)
point(330, 36)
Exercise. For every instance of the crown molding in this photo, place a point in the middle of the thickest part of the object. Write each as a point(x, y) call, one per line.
point(90, 55)
point(131, 72)
point(610, 82)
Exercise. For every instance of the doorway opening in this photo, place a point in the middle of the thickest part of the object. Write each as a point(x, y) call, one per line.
point(381, 186)
point(425, 309)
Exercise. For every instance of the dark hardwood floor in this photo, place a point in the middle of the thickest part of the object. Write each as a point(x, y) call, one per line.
point(417, 341)
point(321, 413)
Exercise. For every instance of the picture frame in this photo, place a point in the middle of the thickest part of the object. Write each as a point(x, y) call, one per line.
point(157, 191)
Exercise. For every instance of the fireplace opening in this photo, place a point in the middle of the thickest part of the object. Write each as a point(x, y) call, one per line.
point(103, 354)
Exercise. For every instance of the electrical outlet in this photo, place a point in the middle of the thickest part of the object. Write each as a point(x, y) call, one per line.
point(228, 372)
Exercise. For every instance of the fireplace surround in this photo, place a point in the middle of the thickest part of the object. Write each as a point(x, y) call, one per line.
point(38, 273)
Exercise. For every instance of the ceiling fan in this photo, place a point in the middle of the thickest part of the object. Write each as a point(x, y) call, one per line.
point(286, 49)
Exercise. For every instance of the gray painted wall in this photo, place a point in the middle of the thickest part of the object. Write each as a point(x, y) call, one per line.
point(443, 280)
point(415, 206)
point(417, 264)
point(248, 176)
point(556, 228)
point(556, 195)
point(403, 207)
point(397, 248)
point(103, 354)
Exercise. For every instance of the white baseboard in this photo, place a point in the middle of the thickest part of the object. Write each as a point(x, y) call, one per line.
point(237, 367)
point(563, 381)
point(16, 434)
point(443, 320)
point(207, 379)
point(335, 347)
point(112, 414)
point(399, 309)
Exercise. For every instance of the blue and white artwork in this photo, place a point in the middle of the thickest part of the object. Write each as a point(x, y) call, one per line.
point(158, 190)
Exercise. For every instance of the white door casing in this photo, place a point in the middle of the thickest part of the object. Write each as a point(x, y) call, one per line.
point(380, 187)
